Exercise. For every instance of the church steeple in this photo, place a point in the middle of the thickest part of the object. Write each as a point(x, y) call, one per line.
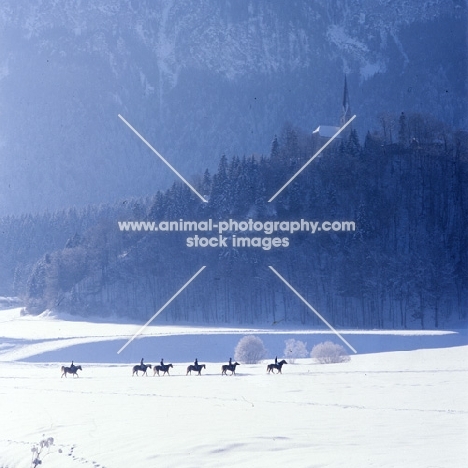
point(346, 109)
point(328, 131)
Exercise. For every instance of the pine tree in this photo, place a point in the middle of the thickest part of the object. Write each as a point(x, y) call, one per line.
point(402, 131)
point(220, 194)
point(275, 150)
point(353, 147)
point(206, 184)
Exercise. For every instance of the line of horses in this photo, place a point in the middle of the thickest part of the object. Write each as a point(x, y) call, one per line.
point(164, 369)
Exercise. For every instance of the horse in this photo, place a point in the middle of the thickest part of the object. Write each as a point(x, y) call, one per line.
point(197, 368)
point(278, 366)
point(164, 368)
point(141, 367)
point(229, 367)
point(71, 370)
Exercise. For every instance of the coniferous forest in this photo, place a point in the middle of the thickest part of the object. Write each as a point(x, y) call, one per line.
point(404, 266)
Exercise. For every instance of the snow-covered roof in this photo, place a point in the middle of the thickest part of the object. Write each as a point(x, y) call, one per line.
point(326, 131)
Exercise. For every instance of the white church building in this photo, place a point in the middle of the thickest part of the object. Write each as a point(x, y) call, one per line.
point(327, 131)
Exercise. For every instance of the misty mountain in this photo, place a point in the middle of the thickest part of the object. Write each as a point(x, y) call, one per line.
point(202, 79)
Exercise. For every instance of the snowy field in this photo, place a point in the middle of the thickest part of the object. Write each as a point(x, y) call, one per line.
point(404, 408)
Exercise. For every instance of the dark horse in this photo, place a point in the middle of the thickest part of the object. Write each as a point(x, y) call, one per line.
point(141, 367)
point(278, 366)
point(164, 368)
point(229, 367)
point(197, 368)
point(71, 370)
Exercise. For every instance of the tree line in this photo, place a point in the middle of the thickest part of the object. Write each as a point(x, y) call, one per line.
point(404, 266)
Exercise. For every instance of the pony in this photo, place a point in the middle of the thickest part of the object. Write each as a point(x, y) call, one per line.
point(278, 367)
point(197, 368)
point(71, 370)
point(141, 367)
point(164, 368)
point(229, 367)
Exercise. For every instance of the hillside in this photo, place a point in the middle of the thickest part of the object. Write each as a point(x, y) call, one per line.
point(202, 79)
point(372, 235)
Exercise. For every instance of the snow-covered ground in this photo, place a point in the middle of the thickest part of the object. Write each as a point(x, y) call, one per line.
point(386, 409)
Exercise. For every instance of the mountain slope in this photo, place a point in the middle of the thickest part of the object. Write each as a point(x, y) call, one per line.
point(201, 79)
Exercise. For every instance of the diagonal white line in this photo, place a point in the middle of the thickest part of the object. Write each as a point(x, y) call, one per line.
point(312, 158)
point(312, 309)
point(162, 158)
point(160, 310)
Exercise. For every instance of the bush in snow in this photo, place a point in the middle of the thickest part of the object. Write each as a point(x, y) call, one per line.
point(328, 353)
point(38, 453)
point(250, 350)
point(295, 349)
